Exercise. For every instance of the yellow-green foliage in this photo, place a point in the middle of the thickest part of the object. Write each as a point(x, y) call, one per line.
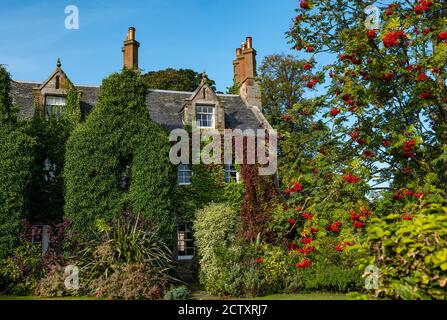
point(276, 266)
point(411, 255)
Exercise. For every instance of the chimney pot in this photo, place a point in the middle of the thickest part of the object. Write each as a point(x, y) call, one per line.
point(243, 46)
point(130, 50)
point(249, 42)
point(131, 34)
point(238, 52)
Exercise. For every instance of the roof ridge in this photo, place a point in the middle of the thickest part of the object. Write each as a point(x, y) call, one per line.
point(189, 92)
point(152, 90)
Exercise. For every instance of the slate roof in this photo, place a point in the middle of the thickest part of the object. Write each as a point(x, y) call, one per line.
point(164, 106)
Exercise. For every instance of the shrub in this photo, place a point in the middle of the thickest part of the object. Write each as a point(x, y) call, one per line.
point(21, 271)
point(411, 255)
point(53, 284)
point(129, 239)
point(119, 159)
point(214, 228)
point(328, 278)
point(330, 270)
point(130, 282)
point(179, 293)
point(275, 266)
point(16, 164)
point(227, 267)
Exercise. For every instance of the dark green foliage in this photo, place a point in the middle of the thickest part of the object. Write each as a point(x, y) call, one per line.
point(20, 272)
point(119, 142)
point(330, 271)
point(47, 194)
point(16, 159)
point(282, 85)
point(172, 79)
point(7, 110)
point(327, 278)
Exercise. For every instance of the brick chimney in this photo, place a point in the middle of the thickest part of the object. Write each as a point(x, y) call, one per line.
point(245, 73)
point(130, 50)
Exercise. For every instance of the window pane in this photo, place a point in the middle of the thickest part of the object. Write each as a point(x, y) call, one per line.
point(205, 116)
point(185, 242)
point(54, 106)
point(184, 174)
point(230, 173)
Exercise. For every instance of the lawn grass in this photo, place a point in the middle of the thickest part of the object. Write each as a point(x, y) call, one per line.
point(304, 296)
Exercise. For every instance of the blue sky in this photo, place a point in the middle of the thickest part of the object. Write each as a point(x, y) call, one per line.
point(196, 34)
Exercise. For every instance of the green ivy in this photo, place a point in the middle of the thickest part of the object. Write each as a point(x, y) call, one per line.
point(16, 160)
point(119, 140)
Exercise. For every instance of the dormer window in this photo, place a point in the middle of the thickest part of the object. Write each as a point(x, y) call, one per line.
point(54, 106)
point(205, 116)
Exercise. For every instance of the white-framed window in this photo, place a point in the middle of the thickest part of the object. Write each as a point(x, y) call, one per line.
point(230, 173)
point(185, 242)
point(205, 116)
point(54, 105)
point(49, 169)
point(184, 174)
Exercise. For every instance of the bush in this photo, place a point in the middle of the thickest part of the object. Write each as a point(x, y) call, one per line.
point(53, 284)
point(227, 267)
point(119, 159)
point(179, 293)
point(128, 260)
point(131, 282)
point(275, 266)
point(21, 271)
point(331, 270)
point(327, 278)
point(128, 239)
point(16, 164)
point(411, 255)
point(215, 227)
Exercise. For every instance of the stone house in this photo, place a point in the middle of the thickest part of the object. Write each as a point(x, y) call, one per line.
point(203, 108)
